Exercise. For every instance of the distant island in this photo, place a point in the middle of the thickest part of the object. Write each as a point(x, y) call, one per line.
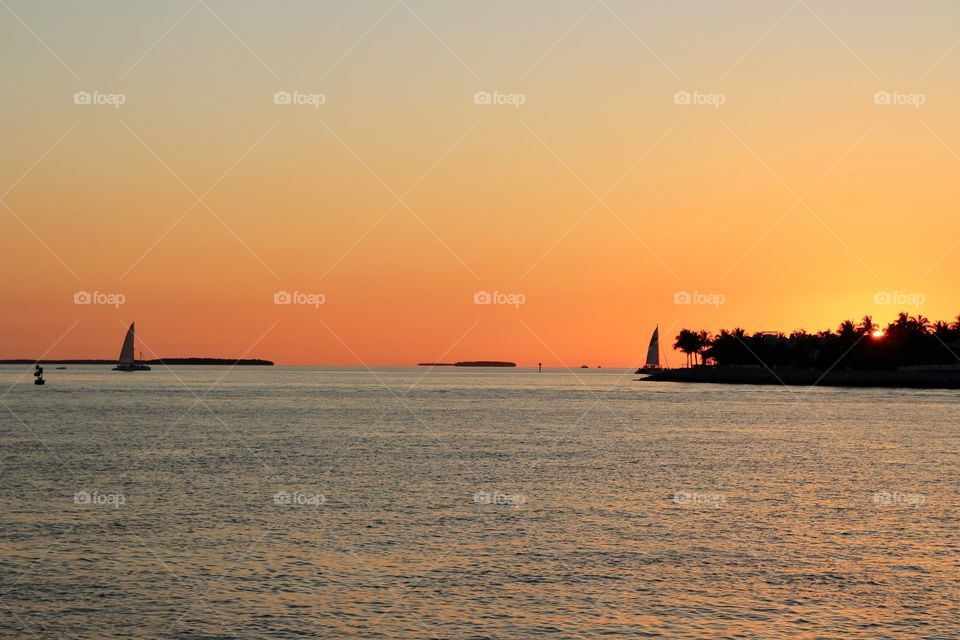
point(468, 363)
point(909, 352)
point(158, 361)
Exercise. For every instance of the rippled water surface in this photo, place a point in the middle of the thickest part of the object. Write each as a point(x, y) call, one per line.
point(202, 502)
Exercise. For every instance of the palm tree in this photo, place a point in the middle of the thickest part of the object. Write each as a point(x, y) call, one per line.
point(942, 329)
point(688, 343)
point(908, 340)
point(847, 329)
point(703, 343)
point(921, 324)
point(899, 327)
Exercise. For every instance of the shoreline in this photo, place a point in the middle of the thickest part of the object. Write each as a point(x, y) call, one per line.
point(810, 377)
point(158, 361)
point(469, 363)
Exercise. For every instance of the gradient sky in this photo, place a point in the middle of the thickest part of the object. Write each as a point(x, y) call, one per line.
point(798, 199)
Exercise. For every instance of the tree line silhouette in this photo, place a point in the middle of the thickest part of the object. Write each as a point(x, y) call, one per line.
point(908, 340)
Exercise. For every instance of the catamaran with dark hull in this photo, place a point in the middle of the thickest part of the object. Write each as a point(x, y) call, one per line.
point(128, 361)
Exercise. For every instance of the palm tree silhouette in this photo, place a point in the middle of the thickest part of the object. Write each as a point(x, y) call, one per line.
point(688, 342)
point(942, 329)
point(847, 330)
point(907, 340)
point(921, 324)
point(703, 342)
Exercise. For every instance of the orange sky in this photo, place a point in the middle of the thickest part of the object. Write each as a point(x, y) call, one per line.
point(796, 201)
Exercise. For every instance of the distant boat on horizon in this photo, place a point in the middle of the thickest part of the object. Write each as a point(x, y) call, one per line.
point(653, 353)
point(128, 360)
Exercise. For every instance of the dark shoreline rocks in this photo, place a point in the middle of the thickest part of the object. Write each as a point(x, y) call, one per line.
point(918, 379)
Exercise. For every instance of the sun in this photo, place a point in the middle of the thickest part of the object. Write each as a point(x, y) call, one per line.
point(877, 334)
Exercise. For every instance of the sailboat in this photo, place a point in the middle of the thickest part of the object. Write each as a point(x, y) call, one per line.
point(127, 360)
point(653, 353)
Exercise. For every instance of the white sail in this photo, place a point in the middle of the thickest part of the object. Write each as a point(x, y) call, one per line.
point(126, 352)
point(653, 351)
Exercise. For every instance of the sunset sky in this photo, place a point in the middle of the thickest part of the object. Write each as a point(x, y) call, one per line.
point(795, 195)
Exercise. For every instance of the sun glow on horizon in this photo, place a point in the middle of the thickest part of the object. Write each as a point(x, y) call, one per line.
point(591, 189)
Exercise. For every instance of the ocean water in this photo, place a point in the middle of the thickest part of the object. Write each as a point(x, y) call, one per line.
point(207, 502)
